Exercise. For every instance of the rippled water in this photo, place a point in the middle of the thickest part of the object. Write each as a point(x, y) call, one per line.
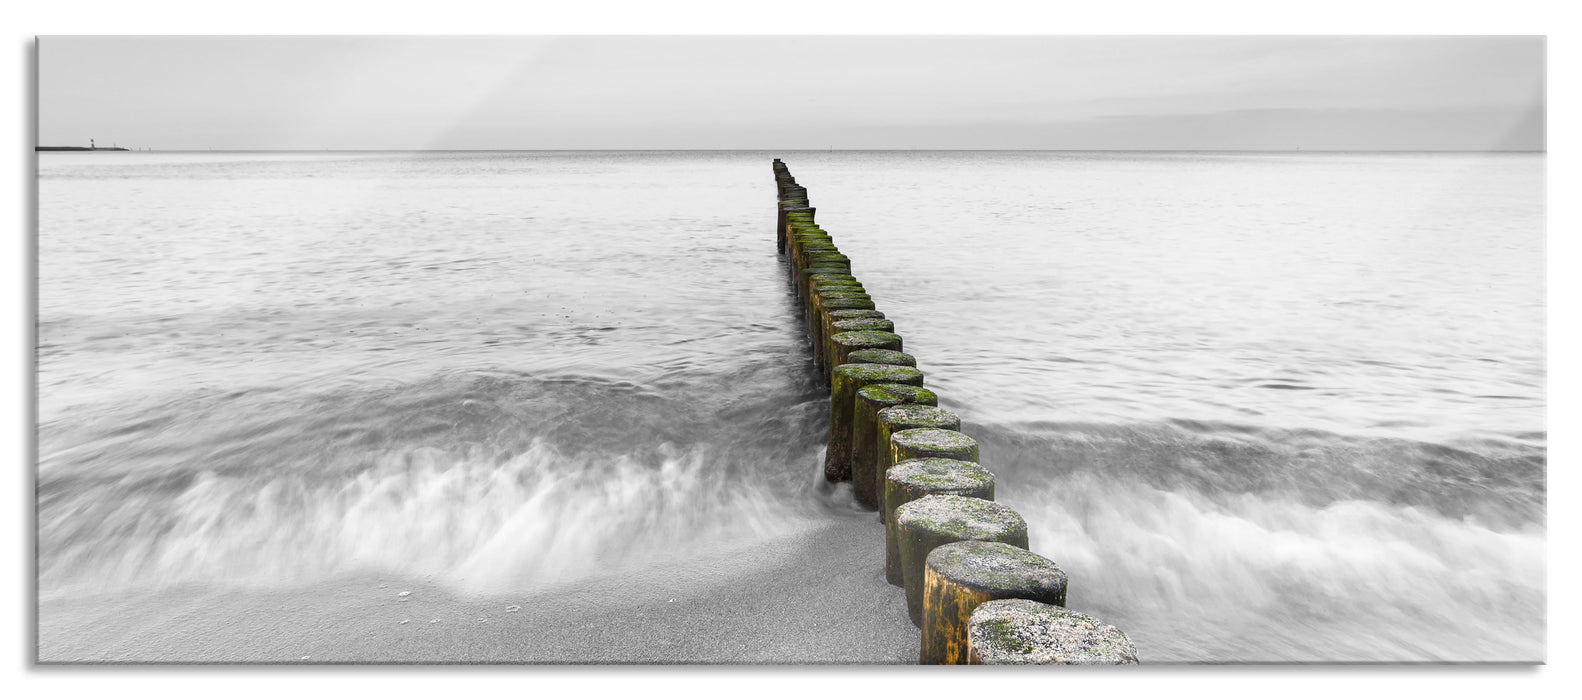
point(1258, 406)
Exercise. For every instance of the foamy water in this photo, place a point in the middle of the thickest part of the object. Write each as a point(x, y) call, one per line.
point(1259, 407)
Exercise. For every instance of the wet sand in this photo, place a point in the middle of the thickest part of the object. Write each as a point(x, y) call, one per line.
point(815, 597)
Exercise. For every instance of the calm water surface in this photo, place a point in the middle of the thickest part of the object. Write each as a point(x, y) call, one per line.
point(1258, 406)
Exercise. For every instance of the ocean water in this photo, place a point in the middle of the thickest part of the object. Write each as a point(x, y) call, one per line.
point(1260, 407)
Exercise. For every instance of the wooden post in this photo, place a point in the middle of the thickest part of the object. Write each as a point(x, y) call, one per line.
point(959, 576)
point(788, 214)
point(806, 274)
point(842, 399)
point(930, 476)
point(815, 326)
point(865, 429)
point(932, 442)
point(931, 521)
point(895, 419)
point(838, 345)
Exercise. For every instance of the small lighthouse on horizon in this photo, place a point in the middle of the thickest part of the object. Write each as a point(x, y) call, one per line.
point(90, 145)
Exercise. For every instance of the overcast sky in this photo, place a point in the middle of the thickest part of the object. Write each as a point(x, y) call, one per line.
point(760, 92)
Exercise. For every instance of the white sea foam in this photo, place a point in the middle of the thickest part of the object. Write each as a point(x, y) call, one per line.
point(535, 519)
point(1257, 577)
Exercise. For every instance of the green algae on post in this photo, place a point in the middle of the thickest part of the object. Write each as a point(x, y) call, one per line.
point(821, 288)
point(833, 327)
point(931, 442)
point(863, 324)
point(1026, 632)
point(847, 303)
point(791, 211)
point(931, 521)
point(865, 428)
point(928, 476)
point(805, 276)
point(845, 381)
point(839, 345)
point(844, 314)
point(815, 324)
point(818, 323)
point(895, 419)
point(825, 330)
point(832, 315)
point(824, 282)
point(960, 576)
point(824, 288)
point(876, 356)
point(831, 277)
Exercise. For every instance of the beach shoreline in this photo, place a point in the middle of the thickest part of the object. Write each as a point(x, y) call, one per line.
point(814, 597)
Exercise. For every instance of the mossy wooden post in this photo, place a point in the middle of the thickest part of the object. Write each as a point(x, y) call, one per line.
point(843, 315)
point(799, 229)
point(928, 476)
point(804, 285)
point(960, 576)
point(792, 199)
point(796, 236)
point(815, 325)
point(787, 217)
point(831, 304)
point(825, 283)
point(865, 428)
point(895, 419)
point(841, 344)
point(823, 263)
point(827, 330)
point(931, 521)
point(805, 238)
point(809, 256)
point(842, 400)
point(816, 301)
point(820, 289)
point(1024, 632)
point(830, 327)
point(804, 276)
point(840, 304)
point(811, 251)
point(822, 254)
point(876, 356)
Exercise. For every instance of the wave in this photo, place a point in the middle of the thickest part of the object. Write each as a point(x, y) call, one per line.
point(486, 481)
point(1499, 483)
point(1206, 542)
point(478, 522)
point(1252, 545)
point(1254, 578)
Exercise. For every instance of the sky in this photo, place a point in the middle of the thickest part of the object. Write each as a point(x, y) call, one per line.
point(791, 92)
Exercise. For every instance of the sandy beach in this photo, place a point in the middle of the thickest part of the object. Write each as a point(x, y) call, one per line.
point(815, 597)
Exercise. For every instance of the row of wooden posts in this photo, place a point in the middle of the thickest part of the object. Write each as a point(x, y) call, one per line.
point(972, 585)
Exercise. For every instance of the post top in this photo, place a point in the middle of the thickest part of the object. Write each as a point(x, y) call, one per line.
point(1016, 631)
point(1003, 569)
point(909, 416)
point(962, 518)
point(940, 474)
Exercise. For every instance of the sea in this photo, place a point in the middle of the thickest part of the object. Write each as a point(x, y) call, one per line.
point(1260, 407)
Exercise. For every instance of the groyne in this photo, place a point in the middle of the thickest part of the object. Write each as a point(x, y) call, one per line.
point(948, 545)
